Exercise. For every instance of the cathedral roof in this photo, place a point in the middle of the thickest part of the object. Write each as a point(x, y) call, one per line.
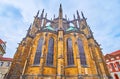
point(49, 27)
point(116, 52)
point(5, 59)
point(112, 55)
point(43, 24)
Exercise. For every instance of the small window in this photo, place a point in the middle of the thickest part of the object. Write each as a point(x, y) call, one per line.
point(117, 57)
point(107, 60)
point(112, 58)
point(8, 64)
point(1, 63)
point(118, 65)
point(112, 66)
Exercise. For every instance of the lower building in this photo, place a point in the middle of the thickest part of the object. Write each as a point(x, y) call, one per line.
point(4, 61)
point(5, 64)
point(113, 63)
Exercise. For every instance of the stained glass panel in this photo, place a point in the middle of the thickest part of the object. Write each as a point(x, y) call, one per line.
point(38, 52)
point(70, 58)
point(81, 53)
point(50, 52)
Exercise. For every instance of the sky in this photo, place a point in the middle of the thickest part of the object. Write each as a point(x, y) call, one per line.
point(103, 17)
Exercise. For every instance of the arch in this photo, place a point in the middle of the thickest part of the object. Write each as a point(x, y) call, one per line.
point(116, 76)
point(38, 52)
point(112, 66)
point(48, 24)
point(118, 65)
point(50, 53)
point(70, 57)
point(115, 66)
point(71, 24)
point(81, 52)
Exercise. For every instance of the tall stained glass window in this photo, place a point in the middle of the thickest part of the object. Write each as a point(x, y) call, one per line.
point(50, 54)
point(81, 52)
point(38, 52)
point(70, 57)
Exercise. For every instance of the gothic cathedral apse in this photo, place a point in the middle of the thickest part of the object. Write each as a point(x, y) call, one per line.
point(58, 49)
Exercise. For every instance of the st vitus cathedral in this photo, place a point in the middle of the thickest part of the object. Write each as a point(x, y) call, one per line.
point(58, 49)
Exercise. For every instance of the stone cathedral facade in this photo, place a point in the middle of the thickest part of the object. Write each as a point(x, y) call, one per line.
point(58, 49)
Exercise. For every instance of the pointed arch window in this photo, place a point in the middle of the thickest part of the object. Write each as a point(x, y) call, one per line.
point(50, 54)
point(81, 53)
point(38, 52)
point(70, 58)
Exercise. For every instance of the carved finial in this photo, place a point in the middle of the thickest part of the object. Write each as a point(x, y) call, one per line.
point(78, 16)
point(65, 16)
point(60, 17)
point(46, 15)
point(54, 16)
point(44, 23)
point(37, 13)
point(60, 7)
point(51, 19)
point(68, 19)
point(60, 11)
point(42, 13)
point(74, 16)
point(30, 28)
point(28, 31)
point(82, 15)
point(75, 22)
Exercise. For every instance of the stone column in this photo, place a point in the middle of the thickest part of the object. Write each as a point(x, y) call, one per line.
point(103, 64)
point(60, 57)
point(43, 56)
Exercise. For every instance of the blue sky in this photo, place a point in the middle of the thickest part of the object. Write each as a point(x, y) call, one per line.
point(103, 17)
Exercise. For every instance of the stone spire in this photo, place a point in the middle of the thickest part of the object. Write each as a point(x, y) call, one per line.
point(42, 14)
point(65, 16)
point(44, 23)
point(75, 22)
point(60, 17)
point(37, 14)
point(54, 16)
point(60, 12)
point(74, 16)
point(46, 15)
point(78, 16)
point(84, 18)
point(28, 31)
point(82, 15)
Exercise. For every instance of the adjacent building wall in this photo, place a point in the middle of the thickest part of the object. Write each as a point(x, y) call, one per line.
point(113, 64)
point(5, 64)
